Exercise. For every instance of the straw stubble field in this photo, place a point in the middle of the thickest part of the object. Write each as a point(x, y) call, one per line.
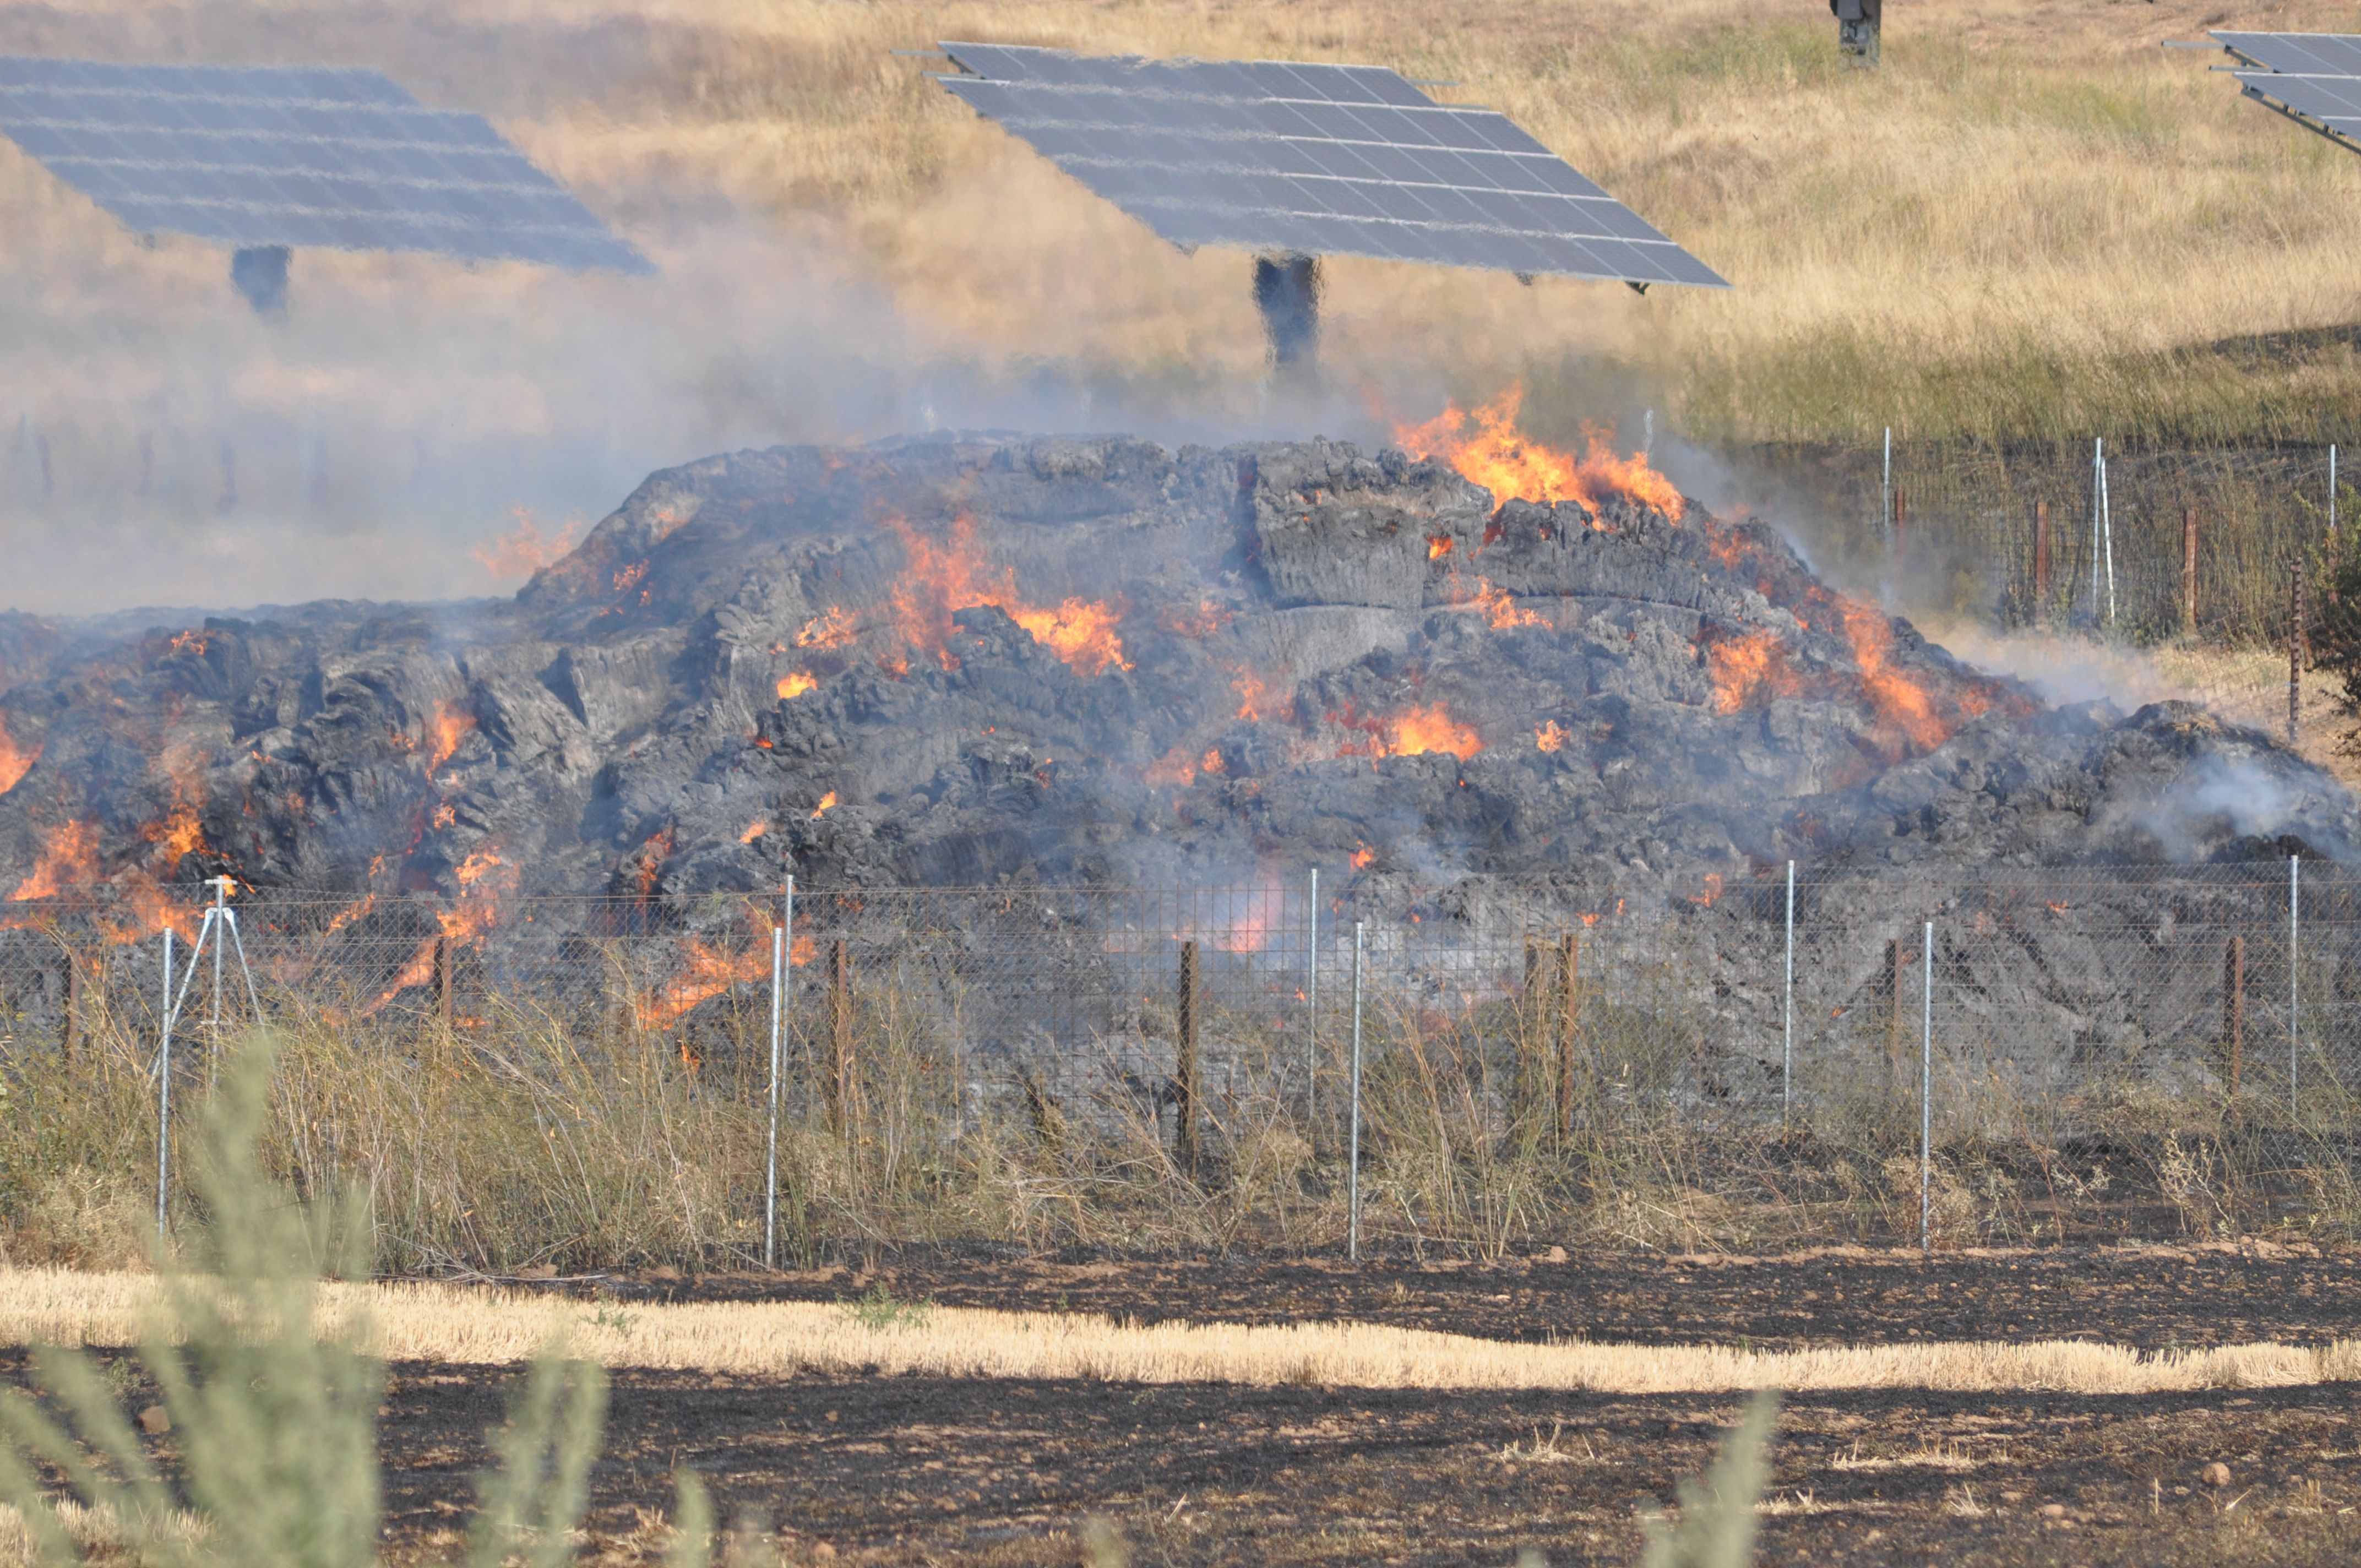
point(866, 1422)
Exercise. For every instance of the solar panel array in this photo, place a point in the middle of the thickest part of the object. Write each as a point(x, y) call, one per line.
point(2299, 54)
point(2315, 77)
point(308, 157)
point(1315, 161)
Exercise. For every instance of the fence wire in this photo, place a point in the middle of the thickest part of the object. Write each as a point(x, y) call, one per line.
point(2043, 986)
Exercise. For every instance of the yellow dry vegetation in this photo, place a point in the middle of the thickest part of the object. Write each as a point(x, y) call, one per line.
point(466, 1325)
point(2034, 220)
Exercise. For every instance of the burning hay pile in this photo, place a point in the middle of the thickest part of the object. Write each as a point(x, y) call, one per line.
point(964, 660)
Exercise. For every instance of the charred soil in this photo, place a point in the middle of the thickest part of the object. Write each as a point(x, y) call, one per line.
point(2153, 1298)
point(1008, 1472)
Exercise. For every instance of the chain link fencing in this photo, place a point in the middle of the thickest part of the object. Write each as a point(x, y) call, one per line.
point(2010, 1007)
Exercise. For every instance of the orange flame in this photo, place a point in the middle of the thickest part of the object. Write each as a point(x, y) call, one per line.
point(1256, 695)
point(1549, 735)
point(1502, 459)
point(707, 973)
point(1412, 731)
point(1499, 606)
point(14, 763)
point(1362, 856)
point(483, 877)
point(1706, 896)
point(1746, 667)
point(524, 549)
point(68, 857)
point(1204, 621)
point(754, 831)
point(941, 580)
point(652, 855)
point(826, 803)
point(796, 684)
point(450, 725)
point(1438, 546)
point(833, 628)
point(1897, 701)
point(1212, 760)
point(1175, 769)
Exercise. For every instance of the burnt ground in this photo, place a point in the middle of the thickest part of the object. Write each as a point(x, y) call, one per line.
point(943, 1471)
point(1006, 1473)
point(2151, 1297)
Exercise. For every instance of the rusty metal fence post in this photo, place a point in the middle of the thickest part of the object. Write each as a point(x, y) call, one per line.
point(1569, 998)
point(2234, 1008)
point(838, 1082)
point(2040, 562)
point(74, 1004)
point(2295, 645)
point(1184, 1068)
point(2189, 571)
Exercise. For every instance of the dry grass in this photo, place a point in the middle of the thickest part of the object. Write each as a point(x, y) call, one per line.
point(438, 1322)
point(2032, 221)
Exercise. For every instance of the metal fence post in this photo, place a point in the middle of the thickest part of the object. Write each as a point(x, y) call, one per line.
point(841, 1076)
point(2107, 536)
point(1569, 1001)
point(779, 938)
point(1311, 1020)
point(1926, 1090)
point(164, 1092)
point(2040, 562)
point(1787, 1027)
point(2294, 973)
point(2234, 1007)
point(1885, 492)
point(1353, 1158)
point(2097, 456)
point(1184, 1069)
point(2295, 641)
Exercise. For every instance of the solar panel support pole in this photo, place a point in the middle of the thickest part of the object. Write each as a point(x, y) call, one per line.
point(1858, 25)
point(261, 274)
point(1287, 291)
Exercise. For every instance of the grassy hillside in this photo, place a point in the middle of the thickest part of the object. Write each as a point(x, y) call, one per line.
point(2034, 222)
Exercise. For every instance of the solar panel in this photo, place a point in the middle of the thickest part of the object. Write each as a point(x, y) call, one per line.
point(308, 157)
point(2333, 102)
point(1318, 159)
point(2299, 54)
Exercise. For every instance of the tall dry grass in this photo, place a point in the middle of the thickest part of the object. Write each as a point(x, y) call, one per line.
point(526, 1142)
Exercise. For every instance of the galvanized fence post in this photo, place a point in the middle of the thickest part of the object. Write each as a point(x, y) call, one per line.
point(1787, 1025)
point(1926, 1089)
point(1312, 1019)
point(779, 939)
point(1353, 1158)
point(2294, 970)
point(164, 1093)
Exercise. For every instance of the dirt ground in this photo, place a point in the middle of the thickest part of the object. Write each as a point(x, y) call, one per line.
point(2154, 1297)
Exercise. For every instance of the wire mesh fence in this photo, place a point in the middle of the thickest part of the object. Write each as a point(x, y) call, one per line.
point(2144, 545)
point(2041, 984)
point(1462, 1031)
